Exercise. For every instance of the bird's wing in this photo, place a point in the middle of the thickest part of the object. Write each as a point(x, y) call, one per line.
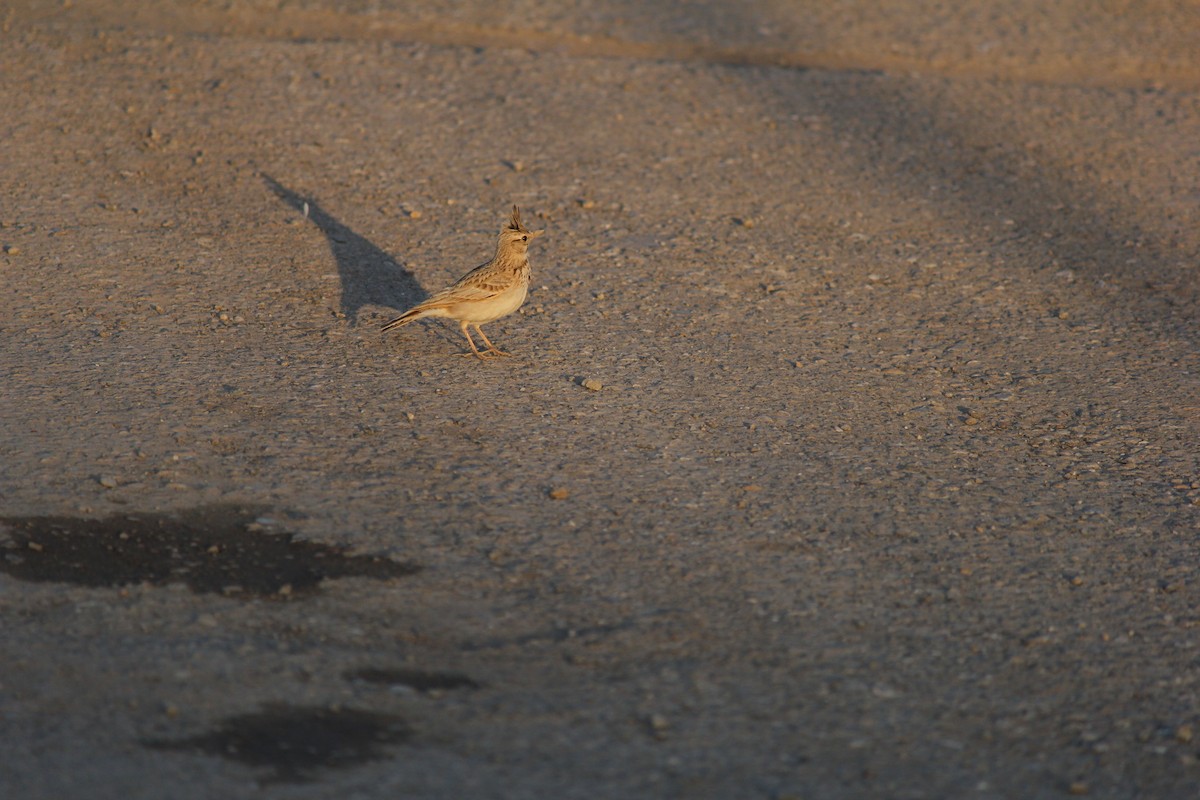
point(480, 283)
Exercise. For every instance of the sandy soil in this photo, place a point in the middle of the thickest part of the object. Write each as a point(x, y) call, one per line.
point(892, 487)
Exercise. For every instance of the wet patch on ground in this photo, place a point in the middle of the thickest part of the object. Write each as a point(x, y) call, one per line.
point(294, 742)
point(229, 550)
point(419, 680)
point(551, 636)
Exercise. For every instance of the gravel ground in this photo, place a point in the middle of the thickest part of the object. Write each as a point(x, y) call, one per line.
point(851, 447)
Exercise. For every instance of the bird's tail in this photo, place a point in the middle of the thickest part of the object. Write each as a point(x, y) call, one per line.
point(408, 316)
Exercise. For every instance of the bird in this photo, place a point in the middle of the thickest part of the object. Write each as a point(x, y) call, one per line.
point(485, 294)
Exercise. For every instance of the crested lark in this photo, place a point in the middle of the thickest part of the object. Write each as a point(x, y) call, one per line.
point(486, 293)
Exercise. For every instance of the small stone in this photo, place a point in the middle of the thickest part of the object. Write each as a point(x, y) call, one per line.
point(11, 249)
point(559, 493)
point(1184, 734)
point(592, 385)
point(108, 482)
point(658, 723)
point(414, 214)
point(1077, 788)
point(171, 710)
point(35, 547)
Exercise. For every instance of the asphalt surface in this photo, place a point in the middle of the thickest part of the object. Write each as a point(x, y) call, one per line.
point(850, 448)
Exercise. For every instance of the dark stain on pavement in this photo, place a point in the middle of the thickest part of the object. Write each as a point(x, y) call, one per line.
point(418, 680)
point(296, 741)
point(222, 549)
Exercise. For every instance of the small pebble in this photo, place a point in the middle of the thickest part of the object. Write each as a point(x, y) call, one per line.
point(108, 482)
point(1184, 734)
point(1078, 788)
point(592, 385)
point(11, 249)
point(658, 723)
point(559, 493)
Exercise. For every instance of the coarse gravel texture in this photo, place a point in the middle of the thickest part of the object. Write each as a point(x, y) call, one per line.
point(850, 447)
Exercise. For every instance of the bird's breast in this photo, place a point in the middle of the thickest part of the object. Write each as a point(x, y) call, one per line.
point(495, 307)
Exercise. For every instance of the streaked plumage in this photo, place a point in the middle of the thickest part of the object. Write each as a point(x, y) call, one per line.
point(486, 293)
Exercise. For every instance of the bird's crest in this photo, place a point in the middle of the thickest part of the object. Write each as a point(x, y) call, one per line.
point(514, 224)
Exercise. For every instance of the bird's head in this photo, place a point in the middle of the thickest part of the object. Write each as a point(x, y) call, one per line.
point(514, 236)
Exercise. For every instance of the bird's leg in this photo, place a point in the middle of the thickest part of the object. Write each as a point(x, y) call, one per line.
point(491, 347)
point(471, 342)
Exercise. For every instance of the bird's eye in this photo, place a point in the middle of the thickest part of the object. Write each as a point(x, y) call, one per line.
point(524, 238)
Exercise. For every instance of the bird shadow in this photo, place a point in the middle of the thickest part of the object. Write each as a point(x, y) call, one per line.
point(369, 276)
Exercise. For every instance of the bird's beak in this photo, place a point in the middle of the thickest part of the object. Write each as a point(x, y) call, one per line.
point(535, 234)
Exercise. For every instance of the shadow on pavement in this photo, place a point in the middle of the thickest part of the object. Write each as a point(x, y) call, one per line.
point(1016, 196)
point(369, 276)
